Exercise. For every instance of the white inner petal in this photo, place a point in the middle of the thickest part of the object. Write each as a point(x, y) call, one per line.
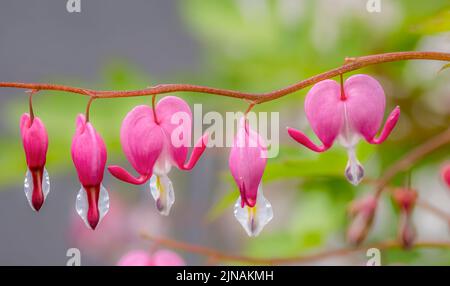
point(354, 172)
point(82, 205)
point(28, 186)
point(254, 219)
point(164, 162)
point(162, 191)
point(348, 137)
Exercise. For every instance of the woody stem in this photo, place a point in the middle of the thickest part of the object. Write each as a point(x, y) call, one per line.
point(88, 108)
point(343, 97)
point(350, 65)
point(155, 118)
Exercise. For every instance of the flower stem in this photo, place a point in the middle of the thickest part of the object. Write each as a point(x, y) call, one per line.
point(216, 255)
point(350, 65)
point(88, 108)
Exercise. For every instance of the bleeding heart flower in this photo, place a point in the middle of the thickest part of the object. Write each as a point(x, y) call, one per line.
point(406, 200)
point(362, 212)
point(153, 143)
point(348, 114)
point(159, 258)
point(247, 162)
point(89, 158)
point(445, 173)
point(135, 258)
point(166, 257)
point(35, 144)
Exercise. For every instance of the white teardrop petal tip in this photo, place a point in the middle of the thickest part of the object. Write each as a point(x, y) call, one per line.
point(28, 186)
point(253, 220)
point(354, 171)
point(162, 191)
point(82, 205)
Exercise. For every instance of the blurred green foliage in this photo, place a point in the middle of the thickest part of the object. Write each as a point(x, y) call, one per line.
point(260, 46)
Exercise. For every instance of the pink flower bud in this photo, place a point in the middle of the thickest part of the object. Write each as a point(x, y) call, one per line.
point(35, 144)
point(89, 158)
point(362, 212)
point(445, 173)
point(165, 257)
point(161, 257)
point(406, 230)
point(135, 258)
point(405, 198)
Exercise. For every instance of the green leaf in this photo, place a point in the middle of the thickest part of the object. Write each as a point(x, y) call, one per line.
point(435, 24)
point(221, 206)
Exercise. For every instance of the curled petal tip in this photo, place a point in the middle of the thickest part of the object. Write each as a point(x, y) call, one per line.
point(123, 175)
point(197, 152)
point(305, 141)
point(391, 121)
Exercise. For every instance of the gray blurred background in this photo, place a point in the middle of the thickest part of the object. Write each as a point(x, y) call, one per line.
point(41, 39)
point(248, 45)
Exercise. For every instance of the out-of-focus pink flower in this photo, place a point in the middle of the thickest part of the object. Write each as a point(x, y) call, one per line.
point(153, 143)
point(89, 158)
point(161, 257)
point(445, 173)
point(135, 258)
point(35, 144)
point(166, 257)
point(247, 161)
point(109, 239)
point(348, 114)
point(362, 212)
point(406, 199)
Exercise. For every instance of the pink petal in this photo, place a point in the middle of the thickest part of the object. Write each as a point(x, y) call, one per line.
point(123, 175)
point(175, 118)
point(365, 104)
point(142, 142)
point(388, 126)
point(88, 153)
point(35, 141)
point(197, 152)
point(247, 162)
point(166, 258)
point(135, 258)
point(445, 174)
point(304, 140)
point(324, 111)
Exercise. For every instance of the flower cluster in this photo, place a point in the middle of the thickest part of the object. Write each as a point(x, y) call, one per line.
point(155, 139)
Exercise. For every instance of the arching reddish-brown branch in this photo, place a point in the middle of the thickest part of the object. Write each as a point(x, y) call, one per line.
point(351, 64)
point(217, 255)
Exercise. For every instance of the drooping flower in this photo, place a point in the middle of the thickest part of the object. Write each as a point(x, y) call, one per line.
point(445, 173)
point(161, 257)
point(164, 257)
point(153, 143)
point(89, 158)
point(247, 161)
point(406, 199)
point(347, 114)
point(362, 212)
point(35, 144)
point(135, 258)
